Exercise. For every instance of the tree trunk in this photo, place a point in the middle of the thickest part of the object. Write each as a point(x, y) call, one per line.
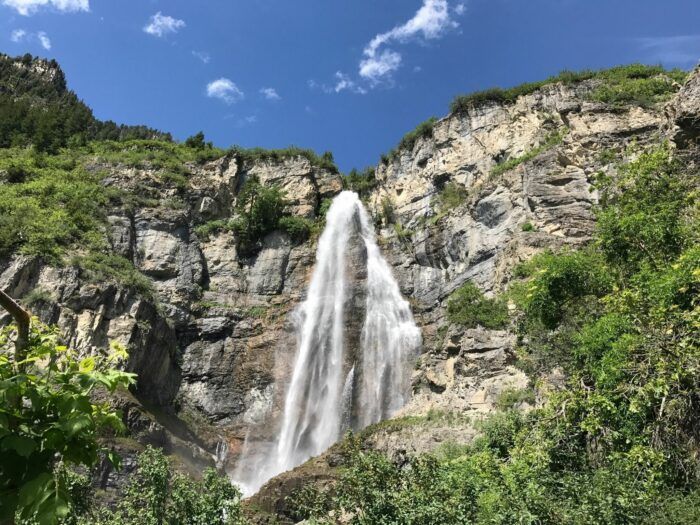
point(22, 318)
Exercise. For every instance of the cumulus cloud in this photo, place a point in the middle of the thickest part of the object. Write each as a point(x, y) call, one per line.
point(18, 35)
point(29, 7)
point(44, 40)
point(202, 55)
point(270, 93)
point(160, 25)
point(225, 90)
point(431, 21)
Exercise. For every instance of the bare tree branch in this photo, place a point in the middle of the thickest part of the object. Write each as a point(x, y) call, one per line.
point(22, 318)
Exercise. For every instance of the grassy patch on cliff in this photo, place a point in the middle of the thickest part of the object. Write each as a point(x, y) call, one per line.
point(252, 155)
point(553, 139)
point(423, 130)
point(632, 84)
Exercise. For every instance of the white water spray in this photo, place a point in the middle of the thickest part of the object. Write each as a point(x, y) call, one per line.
point(324, 397)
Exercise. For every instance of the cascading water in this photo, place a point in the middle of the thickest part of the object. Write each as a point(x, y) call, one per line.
point(326, 396)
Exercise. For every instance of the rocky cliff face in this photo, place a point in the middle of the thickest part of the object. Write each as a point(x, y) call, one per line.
point(506, 215)
point(214, 344)
point(206, 345)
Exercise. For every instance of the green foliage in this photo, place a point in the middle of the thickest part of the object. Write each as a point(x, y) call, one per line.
point(388, 211)
point(100, 267)
point(36, 108)
point(361, 182)
point(527, 227)
point(204, 231)
point(511, 398)
point(253, 155)
point(49, 418)
point(259, 210)
point(424, 130)
point(629, 84)
point(451, 196)
point(562, 281)
point(618, 443)
point(401, 232)
point(156, 495)
point(467, 306)
point(197, 141)
point(52, 208)
point(553, 139)
point(298, 228)
point(642, 220)
point(637, 85)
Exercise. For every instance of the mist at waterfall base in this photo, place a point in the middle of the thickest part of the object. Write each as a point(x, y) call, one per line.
point(324, 399)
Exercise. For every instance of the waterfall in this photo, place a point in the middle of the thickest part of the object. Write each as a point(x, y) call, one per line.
point(330, 389)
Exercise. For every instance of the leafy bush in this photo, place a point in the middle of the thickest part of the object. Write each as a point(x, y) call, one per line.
point(101, 267)
point(563, 279)
point(298, 228)
point(637, 85)
point(156, 495)
point(259, 209)
point(642, 220)
point(361, 183)
point(467, 306)
point(50, 210)
point(48, 419)
point(451, 196)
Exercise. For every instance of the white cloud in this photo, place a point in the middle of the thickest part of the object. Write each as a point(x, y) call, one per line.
point(161, 25)
point(681, 50)
point(29, 7)
point(270, 93)
point(202, 55)
point(224, 89)
point(342, 82)
point(345, 83)
point(44, 40)
point(378, 67)
point(460, 9)
point(18, 35)
point(431, 21)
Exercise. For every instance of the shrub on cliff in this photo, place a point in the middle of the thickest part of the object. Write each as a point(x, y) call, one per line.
point(467, 306)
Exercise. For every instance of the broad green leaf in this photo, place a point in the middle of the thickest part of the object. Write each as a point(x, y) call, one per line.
point(22, 445)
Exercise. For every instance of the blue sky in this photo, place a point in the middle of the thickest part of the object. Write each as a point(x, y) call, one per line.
point(350, 76)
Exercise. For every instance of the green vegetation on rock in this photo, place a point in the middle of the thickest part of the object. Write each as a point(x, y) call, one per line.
point(157, 495)
point(468, 307)
point(618, 443)
point(553, 139)
point(361, 182)
point(422, 131)
point(632, 84)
